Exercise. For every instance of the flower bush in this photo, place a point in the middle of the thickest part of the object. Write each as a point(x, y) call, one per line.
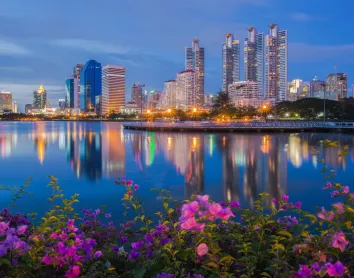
point(194, 238)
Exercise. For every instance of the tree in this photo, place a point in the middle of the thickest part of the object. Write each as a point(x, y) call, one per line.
point(223, 105)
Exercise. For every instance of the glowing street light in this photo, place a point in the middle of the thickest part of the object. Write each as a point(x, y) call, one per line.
point(286, 114)
point(194, 110)
point(168, 110)
point(149, 111)
point(264, 106)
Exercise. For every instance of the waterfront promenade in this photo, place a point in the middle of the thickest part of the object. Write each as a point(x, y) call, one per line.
point(255, 126)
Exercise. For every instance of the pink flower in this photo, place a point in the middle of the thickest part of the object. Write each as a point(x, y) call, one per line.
point(76, 270)
point(214, 209)
point(339, 241)
point(21, 230)
point(351, 195)
point(63, 236)
point(285, 198)
point(329, 216)
point(203, 200)
point(225, 214)
point(298, 205)
point(71, 222)
point(136, 187)
point(97, 255)
point(304, 272)
point(61, 248)
point(235, 204)
point(202, 249)
point(188, 210)
point(275, 201)
point(47, 260)
point(339, 207)
point(335, 270)
point(192, 225)
point(3, 227)
point(346, 189)
point(54, 235)
point(70, 251)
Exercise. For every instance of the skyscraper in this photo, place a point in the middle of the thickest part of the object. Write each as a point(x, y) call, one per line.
point(28, 107)
point(14, 107)
point(40, 98)
point(294, 88)
point(194, 60)
point(62, 104)
point(113, 88)
point(276, 63)
point(317, 86)
point(337, 83)
point(137, 93)
point(70, 92)
point(5, 102)
point(254, 59)
point(76, 75)
point(90, 85)
point(185, 90)
point(230, 61)
point(170, 93)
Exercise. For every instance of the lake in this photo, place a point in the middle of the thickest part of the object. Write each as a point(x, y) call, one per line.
point(87, 157)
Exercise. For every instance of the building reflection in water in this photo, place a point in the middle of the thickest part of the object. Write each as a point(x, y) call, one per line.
point(8, 142)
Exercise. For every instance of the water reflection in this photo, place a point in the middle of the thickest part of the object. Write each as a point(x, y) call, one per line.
point(243, 165)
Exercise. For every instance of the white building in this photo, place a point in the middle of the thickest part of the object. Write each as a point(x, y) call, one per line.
point(5, 102)
point(245, 93)
point(14, 107)
point(113, 88)
point(185, 90)
point(294, 89)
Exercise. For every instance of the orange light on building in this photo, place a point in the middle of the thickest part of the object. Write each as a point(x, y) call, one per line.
point(168, 110)
point(194, 110)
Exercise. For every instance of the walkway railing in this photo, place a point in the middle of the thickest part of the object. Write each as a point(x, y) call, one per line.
point(253, 124)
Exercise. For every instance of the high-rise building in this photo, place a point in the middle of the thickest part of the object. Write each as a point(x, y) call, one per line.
point(294, 88)
point(230, 61)
point(113, 88)
point(194, 60)
point(70, 92)
point(5, 102)
point(254, 59)
point(337, 83)
point(76, 75)
point(62, 104)
point(153, 99)
point(170, 93)
point(14, 107)
point(185, 90)
point(317, 86)
point(276, 68)
point(90, 85)
point(28, 107)
point(137, 93)
point(40, 98)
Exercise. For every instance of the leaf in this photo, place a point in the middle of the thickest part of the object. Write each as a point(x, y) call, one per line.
point(227, 258)
point(213, 265)
point(171, 210)
point(265, 274)
point(139, 273)
point(285, 233)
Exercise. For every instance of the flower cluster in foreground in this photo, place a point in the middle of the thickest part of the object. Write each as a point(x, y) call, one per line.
point(196, 238)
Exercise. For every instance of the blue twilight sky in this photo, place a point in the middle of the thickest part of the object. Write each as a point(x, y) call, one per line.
point(41, 40)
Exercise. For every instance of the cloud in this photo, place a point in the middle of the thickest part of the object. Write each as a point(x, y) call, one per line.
point(302, 52)
point(12, 49)
point(21, 69)
point(91, 46)
point(304, 17)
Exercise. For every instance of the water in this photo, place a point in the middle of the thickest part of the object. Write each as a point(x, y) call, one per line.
point(87, 157)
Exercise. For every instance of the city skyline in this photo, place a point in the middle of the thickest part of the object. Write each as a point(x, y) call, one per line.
point(31, 58)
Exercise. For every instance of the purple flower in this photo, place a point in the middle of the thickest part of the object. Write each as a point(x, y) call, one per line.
point(198, 276)
point(335, 270)
point(316, 267)
point(137, 245)
point(3, 250)
point(164, 241)
point(203, 200)
point(47, 260)
point(235, 204)
point(298, 205)
point(304, 272)
point(285, 198)
point(61, 248)
point(149, 238)
point(135, 187)
point(275, 201)
point(329, 216)
point(97, 211)
point(124, 239)
point(70, 251)
point(21, 230)
point(97, 255)
point(334, 193)
point(149, 254)
point(115, 248)
point(3, 227)
point(339, 208)
point(107, 215)
point(133, 255)
point(165, 275)
point(162, 228)
point(71, 222)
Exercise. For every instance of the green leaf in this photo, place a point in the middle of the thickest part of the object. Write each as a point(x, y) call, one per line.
point(285, 233)
point(139, 273)
point(227, 258)
point(265, 274)
point(213, 265)
point(171, 210)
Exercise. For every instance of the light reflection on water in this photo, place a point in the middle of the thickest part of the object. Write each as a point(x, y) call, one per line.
point(87, 157)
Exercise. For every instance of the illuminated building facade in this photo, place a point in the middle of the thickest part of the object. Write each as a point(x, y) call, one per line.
point(90, 85)
point(254, 59)
point(276, 65)
point(137, 94)
point(317, 86)
point(76, 75)
point(230, 61)
point(194, 60)
point(337, 83)
point(245, 94)
point(70, 92)
point(40, 98)
point(294, 88)
point(5, 102)
point(113, 88)
point(185, 90)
